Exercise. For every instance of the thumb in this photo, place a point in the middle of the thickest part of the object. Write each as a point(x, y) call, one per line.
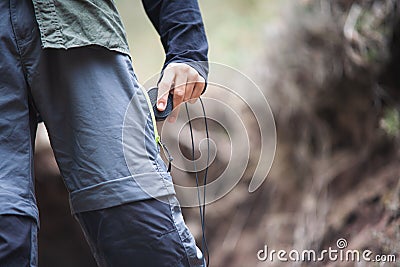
point(164, 86)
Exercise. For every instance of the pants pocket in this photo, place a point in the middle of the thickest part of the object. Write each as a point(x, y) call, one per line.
point(140, 233)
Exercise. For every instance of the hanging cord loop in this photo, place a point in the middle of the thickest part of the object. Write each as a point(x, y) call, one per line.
point(202, 202)
point(151, 97)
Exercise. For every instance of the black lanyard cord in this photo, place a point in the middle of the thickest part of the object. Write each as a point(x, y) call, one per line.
point(202, 204)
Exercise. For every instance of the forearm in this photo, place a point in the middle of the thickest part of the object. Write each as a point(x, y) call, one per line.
point(180, 26)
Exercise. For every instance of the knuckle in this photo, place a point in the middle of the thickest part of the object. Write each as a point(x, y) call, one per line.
point(163, 85)
point(193, 76)
point(185, 68)
point(179, 93)
point(200, 79)
point(193, 73)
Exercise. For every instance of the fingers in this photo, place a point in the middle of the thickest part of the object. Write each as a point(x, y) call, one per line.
point(164, 86)
point(186, 85)
point(192, 77)
point(198, 89)
point(180, 90)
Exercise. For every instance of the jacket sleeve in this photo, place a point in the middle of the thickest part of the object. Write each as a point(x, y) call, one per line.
point(181, 29)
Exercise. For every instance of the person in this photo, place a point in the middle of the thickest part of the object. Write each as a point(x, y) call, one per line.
point(67, 63)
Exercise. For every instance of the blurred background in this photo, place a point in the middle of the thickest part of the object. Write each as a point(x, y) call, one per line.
point(330, 71)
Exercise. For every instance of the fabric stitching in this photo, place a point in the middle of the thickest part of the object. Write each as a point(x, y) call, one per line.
point(20, 59)
point(175, 225)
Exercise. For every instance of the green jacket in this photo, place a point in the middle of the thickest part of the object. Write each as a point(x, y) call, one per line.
point(74, 23)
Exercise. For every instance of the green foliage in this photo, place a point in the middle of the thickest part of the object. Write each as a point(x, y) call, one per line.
point(391, 122)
